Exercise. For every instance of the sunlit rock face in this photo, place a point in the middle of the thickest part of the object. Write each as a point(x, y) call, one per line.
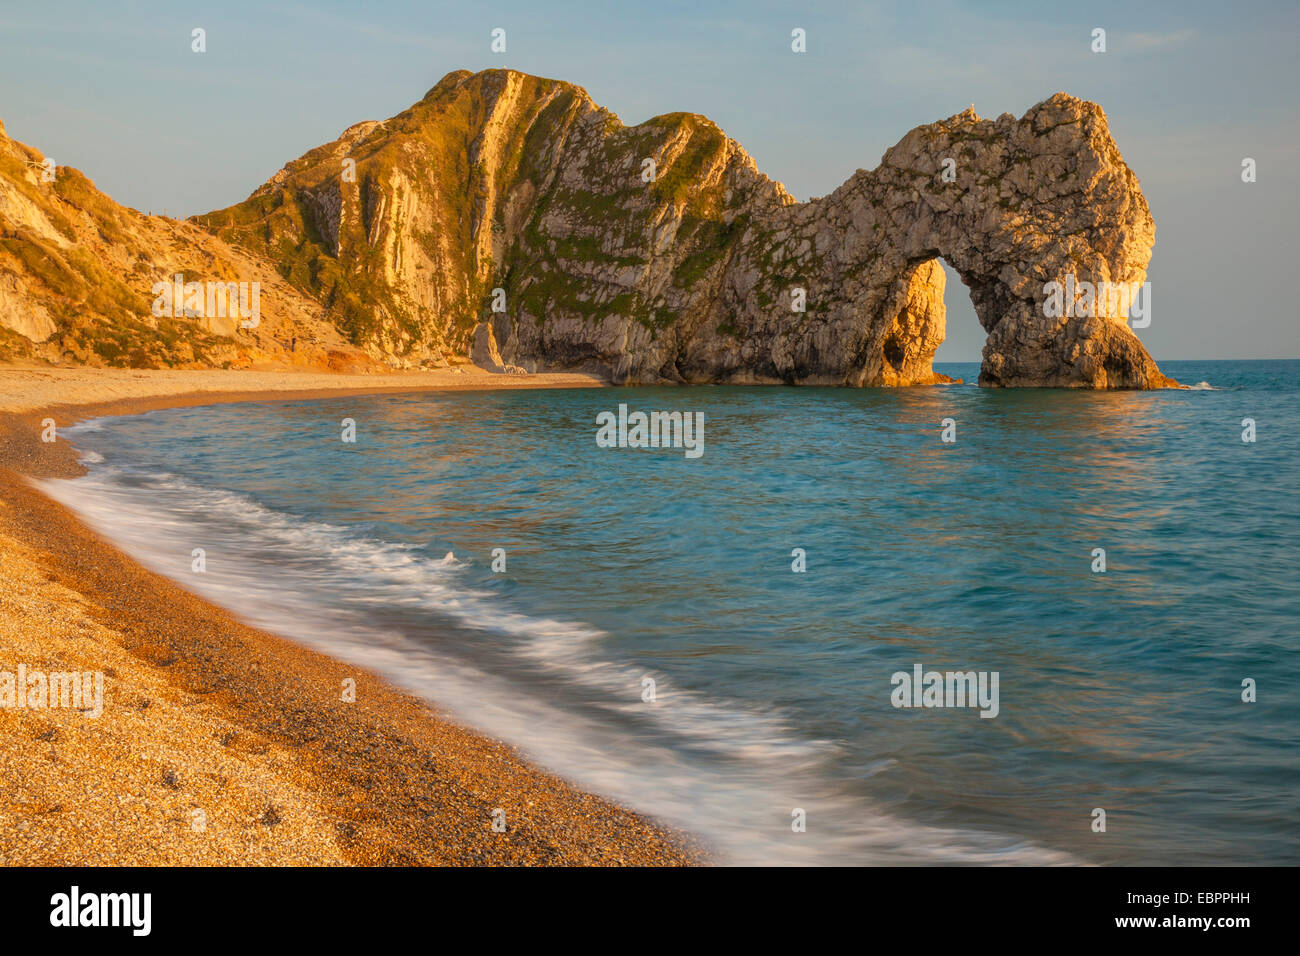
point(1012, 205)
point(80, 277)
point(659, 252)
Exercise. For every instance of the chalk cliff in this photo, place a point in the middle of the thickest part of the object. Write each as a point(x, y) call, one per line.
point(509, 218)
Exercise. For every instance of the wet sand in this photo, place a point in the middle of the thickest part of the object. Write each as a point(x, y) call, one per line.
point(222, 744)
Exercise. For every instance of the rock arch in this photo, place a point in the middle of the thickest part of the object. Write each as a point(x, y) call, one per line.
point(503, 181)
point(1043, 199)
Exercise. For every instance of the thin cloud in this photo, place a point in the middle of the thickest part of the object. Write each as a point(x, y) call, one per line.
point(1155, 41)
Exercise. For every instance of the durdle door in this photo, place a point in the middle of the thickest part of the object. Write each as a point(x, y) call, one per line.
point(1040, 217)
point(847, 289)
point(511, 211)
point(661, 253)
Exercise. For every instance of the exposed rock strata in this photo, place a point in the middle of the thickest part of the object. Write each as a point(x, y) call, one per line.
point(659, 252)
point(503, 180)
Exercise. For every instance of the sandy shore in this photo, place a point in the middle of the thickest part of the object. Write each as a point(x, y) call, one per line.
point(221, 744)
point(30, 388)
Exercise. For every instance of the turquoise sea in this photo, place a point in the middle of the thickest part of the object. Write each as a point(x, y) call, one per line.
point(1120, 690)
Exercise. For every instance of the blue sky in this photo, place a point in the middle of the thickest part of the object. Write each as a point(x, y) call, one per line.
point(1189, 88)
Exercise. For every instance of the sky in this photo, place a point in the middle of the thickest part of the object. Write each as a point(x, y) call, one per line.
point(1190, 90)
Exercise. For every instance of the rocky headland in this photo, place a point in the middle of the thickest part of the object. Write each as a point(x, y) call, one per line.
point(508, 219)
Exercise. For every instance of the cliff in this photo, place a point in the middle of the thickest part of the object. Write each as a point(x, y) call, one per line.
point(77, 277)
point(509, 217)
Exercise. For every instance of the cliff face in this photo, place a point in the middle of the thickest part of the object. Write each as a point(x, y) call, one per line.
point(698, 268)
point(510, 218)
point(77, 273)
point(1043, 199)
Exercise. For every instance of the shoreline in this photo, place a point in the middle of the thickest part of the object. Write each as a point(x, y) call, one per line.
point(28, 395)
point(222, 744)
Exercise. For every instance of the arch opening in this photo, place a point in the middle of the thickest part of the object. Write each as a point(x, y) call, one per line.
point(925, 305)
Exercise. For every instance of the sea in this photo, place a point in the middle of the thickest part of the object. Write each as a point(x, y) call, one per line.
point(723, 641)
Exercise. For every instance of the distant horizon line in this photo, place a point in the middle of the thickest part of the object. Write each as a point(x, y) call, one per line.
point(1271, 358)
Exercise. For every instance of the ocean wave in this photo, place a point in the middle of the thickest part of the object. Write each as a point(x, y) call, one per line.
point(396, 574)
point(726, 771)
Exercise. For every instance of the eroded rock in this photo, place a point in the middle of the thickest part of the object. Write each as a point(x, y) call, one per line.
point(659, 252)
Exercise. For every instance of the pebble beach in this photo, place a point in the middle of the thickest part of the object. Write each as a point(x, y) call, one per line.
point(219, 744)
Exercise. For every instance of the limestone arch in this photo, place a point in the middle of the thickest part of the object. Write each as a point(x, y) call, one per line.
point(1040, 200)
